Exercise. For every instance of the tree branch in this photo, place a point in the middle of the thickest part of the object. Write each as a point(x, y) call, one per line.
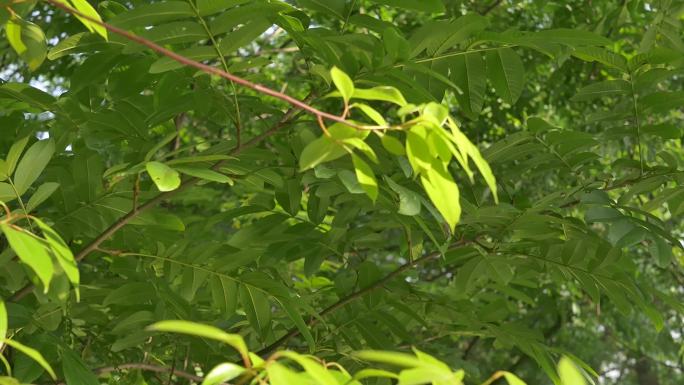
point(299, 104)
point(356, 295)
point(121, 222)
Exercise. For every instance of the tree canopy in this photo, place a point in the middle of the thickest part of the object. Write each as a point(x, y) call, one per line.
point(341, 192)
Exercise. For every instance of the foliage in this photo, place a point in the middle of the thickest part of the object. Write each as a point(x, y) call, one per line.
point(341, 192)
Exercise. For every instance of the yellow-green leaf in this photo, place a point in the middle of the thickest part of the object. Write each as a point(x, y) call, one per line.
point(382, 93)
point(28, 40)
point(42, 193)
point(14, 153)
point(569, 373)
point(222, 373)
point(32, 251)
point(3, 321)
point(443, 192)
point(366, 177)
point(372, 113)
point(32, 164)
point(201, 330)
point(166, 178)
point(392, 145)
point(62, 252)
point(84, 7)
point(34, 354)
point(343, 83)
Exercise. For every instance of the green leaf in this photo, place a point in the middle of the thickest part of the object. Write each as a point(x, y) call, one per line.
point(392, 358)
point(318, 372)
point(393, 145)
point(468, 73)
point(198, 159)
point(133, 322)
point(222, 373)
point(28, 41)
point(663, 130)
point(134, 293)
point(204, 173)
point(372, 113)
point(7, 193)
point(419, 5)
point(152, 14)
point(362, 146)
point(3, 321)
point(616, 87)
point(331, 7)
point(467, 147)
point(417, 149)
point(62, 252)
point(343, 83)
point(290, 199)
point(224, 293)
point(15, 153)
point(443, 192)
point(370, 373)
point(366, 177)
point(210, 7)
point(257, 308)
point(85, 8)
point(325, 149)
point(160, 144)
point(32, 164)
point(512, 379)
point(569, 373)
point(4, 174)
point(75, 371)
point(602, 56)
point(203, 331)
point(166, 178)
point(409, 201)
point(423, 375)
point(42, 193)
point(79, 43)
point(244, 35)
point(573, 37)
point(382, 93)
point(34, 355)
point(279, 374)
point(506, 73)
point(32, 251)
point(25, 93)
point(319, 151)
point(296, 317)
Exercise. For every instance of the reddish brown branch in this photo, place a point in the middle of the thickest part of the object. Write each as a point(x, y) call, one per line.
point(209, 69)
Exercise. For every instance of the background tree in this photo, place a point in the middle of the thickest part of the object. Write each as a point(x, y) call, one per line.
point(497, 184)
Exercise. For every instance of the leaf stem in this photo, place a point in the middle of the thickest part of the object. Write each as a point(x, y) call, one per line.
point(21, 202)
